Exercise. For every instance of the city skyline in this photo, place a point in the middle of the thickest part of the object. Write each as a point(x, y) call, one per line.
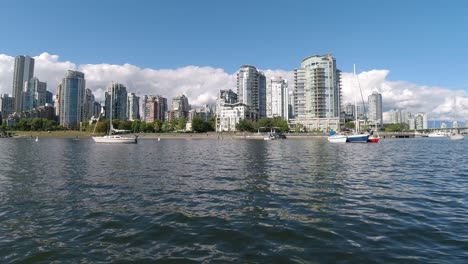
point(205, 82)
point(402, 49)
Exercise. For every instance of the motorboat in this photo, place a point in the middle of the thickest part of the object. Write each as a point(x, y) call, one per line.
point(333, 137)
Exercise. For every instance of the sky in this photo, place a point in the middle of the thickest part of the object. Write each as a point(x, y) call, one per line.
point(414, 52)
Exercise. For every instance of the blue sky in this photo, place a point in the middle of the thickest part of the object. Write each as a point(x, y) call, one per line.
point(414, 52)
point(422, 42)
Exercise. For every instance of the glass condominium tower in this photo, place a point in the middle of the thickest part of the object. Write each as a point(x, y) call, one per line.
point(23, 72)
point(322, 87)
point(317, 94)
point(72, 99)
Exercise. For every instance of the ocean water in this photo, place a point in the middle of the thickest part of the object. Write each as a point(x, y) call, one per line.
point(233, 201)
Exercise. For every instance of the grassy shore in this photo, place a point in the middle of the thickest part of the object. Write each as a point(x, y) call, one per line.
point(55, 134)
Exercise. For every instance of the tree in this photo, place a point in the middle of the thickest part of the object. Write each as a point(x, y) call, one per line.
point(281, 124)
point(157, 125)
point(350, 124)
point(212, 123)
point(396, 127)
point(181, 123)
point(245, 125)
point(135, 126)
point(102, 127)
point(198, 124)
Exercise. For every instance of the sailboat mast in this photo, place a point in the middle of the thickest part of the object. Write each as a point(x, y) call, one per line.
point(355, 102)
point(110, 109)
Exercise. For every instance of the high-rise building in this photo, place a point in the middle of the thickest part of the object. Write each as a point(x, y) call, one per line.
point(34, 94)
point(251, 89)
point(455, 124)
point(318, 93)
point(375, 114)
point(205, 112)
point(180, 103)
point(417, 121)
point(395, 116)
point(97, 109)
point(57, 100)
point(277, 98)
point(154, 108)
point(49, 97)
point(89, 104)
point(299, 93)
point(133, 107)
point(291, 105)
point(261, 95)
point(23, 72)
point(7, 106)
point(180, 108)
point(71, 99)
point(119, 101)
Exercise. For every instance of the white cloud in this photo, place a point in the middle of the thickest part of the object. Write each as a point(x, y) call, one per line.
point(202, 84)
point(6, 73)
point(440, 103)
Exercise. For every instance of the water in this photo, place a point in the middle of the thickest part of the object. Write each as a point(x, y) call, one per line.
point(192, 201)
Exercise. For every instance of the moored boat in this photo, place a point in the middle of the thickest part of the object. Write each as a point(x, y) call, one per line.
point(456, 137)
point(373, 139)
point(333, 137)
point(115, 139)
point(111, 138)
point(358, 138)
point(437, 135)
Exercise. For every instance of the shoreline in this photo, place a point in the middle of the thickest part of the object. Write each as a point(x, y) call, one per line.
point(209, 135)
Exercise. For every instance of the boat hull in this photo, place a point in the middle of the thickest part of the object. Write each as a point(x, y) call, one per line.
point(373, 140)
point(115, 140)
point(436, 135)
point(358, 138)
point(337, 139)
point(457, 137)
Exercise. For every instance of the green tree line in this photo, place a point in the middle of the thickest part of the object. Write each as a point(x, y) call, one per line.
point(34, 124)
point(263, 125)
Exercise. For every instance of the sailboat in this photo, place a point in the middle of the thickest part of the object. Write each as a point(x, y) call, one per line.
point(456, 137)
point(111, 138)
point(357, 137)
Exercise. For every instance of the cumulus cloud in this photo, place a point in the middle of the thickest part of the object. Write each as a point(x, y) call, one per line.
point(202, 84)
point(6, 73)
point(440, 103)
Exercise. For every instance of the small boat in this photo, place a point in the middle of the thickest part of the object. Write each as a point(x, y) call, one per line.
point(337, 138)
point(269, 137)
point(116, 139)
point(373, 139)
point(273, 135)
point(456, 137)
point(437, 135)
point(358, 138)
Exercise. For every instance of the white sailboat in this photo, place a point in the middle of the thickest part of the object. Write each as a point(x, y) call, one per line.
point(111, 138)
point(357, 137)
point(456, 137)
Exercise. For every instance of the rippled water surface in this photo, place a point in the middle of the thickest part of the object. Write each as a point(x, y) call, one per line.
point(242, 201)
